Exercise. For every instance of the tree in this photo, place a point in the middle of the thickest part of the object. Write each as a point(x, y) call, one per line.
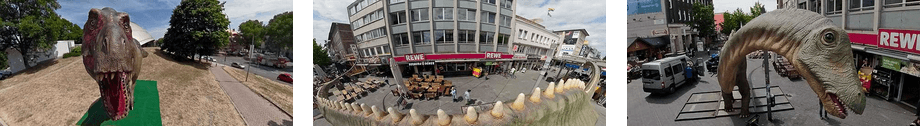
point(280, 32)
point(31, 25)
point(252, 32)
point(702, 20)
point(197, 27)
point(734, 20)
point(319, 55)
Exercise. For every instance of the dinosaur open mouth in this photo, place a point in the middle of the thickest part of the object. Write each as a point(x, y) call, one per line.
point(115, 93)
point(838, 104)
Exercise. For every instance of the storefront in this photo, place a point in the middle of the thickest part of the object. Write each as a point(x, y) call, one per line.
point(893, 57)
point(461, 64)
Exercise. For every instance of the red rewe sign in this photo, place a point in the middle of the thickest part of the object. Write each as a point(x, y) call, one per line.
point(493, 55)
point(901, 40)
point(415, 57)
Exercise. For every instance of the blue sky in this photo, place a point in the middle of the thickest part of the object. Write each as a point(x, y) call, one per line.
point(569, 14)
point(154, 15)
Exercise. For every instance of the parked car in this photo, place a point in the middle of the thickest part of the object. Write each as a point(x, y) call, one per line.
point(666, 74)
point(5, 74)
point(286, 77)
point(238, 65)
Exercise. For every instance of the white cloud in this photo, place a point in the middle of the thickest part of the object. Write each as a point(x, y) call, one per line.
point(328, 11)
point(720, 6)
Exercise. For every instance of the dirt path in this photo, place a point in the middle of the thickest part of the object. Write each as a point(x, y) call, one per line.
point(254, 109)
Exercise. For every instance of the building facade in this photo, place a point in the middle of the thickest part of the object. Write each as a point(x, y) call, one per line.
point(572, 41)
point(885, 41)
point(656, 18)
point(439, 37)
point(533, 41)
point(341, 43)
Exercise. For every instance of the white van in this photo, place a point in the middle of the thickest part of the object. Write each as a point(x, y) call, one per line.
point(664, 75)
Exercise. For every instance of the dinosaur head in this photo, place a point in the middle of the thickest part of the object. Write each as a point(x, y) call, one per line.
point(825, 59)
point(112, 58)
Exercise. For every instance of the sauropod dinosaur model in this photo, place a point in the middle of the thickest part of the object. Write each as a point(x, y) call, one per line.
point(812, 43)
point(112, 58)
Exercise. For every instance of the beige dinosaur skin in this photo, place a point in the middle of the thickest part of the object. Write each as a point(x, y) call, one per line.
point(814, 45)
point(570, 107)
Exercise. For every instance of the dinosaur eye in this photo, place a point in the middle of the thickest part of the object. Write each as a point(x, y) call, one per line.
point(829, 37)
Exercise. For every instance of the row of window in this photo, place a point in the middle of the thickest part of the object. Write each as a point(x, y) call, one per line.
point(463, 14)
point(373, 51)
point(363, 3)
point(530, 50)
point(367, 19)
point(373, 34)
point(522, 34)
point(836, 6)
point(447, 36)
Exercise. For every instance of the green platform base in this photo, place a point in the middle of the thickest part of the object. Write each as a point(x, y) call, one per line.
point(146, 109)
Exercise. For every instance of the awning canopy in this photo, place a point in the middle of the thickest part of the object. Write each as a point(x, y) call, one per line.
point(660, 41)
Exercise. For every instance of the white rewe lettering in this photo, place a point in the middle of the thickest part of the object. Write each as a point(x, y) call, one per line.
point(493, 55)
point(883, 38)
point(908, 40)
point(417, 57)
point(894, 39)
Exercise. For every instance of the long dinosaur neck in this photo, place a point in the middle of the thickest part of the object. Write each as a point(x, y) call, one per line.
point(780, 32)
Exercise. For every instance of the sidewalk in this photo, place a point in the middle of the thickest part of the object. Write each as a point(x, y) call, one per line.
point(254, 109)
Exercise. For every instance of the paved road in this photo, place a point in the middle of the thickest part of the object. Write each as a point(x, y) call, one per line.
point(264, 71)
point(661, 110)
point(256, 111)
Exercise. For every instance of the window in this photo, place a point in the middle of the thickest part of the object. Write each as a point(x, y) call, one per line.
point(401, 39)
point(443, 13)
point(486, 37)
point(466, 36)
point(488, 17)
point(489, 1)
point(398, 17)
point(860, 5)
point(901, 3)
point(396, 1)
point(667, 72)
point(367, 53)
point(506, 3)
point(386, 49)
point(421, 37)
point(466, 14)
point(420, 15)
point(506, 21)
point(439, 36)
point(449, 13)
point(520, 33)
point(503, 39)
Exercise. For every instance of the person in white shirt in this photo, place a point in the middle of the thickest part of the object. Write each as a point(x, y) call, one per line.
point(467, 95)
point(453, 93)
point(512, 72)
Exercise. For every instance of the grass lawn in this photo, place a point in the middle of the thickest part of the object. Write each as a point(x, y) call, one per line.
point(60, 93)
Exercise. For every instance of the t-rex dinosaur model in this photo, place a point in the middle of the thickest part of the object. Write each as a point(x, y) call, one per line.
point(113, 58)
point(814, 45)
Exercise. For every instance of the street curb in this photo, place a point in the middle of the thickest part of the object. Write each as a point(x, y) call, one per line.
point(231, 100)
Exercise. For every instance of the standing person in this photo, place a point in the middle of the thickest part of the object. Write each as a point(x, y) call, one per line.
point(467, 96)
point(453, 93)
point(512, 72)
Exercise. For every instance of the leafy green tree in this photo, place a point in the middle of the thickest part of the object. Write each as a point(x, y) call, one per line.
point(252, 32)
point(757, 10)
point(702, 20)
point(734, 20)
point(280, 32)
point(197, 27)
point(319, 55)
point(32, 25)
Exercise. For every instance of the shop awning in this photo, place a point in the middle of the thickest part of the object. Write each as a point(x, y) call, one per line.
point(657, 41)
